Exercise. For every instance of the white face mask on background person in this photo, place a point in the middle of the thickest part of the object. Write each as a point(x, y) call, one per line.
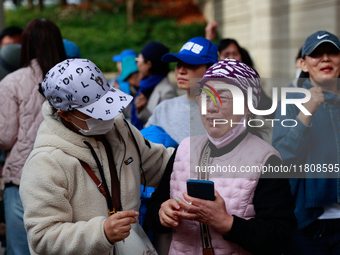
point(96, 127)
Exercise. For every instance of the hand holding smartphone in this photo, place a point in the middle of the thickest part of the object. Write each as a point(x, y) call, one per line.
point(201, 189)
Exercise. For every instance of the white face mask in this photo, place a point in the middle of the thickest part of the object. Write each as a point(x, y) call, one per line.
point(230, 136)
point(96, 127)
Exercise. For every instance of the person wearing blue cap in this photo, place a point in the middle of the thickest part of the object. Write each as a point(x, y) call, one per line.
point(129, 76)
point(313, 144)
point(154, 83)
point(130, 71)
point(118, 82)
point(124, 53)
point(180, 115)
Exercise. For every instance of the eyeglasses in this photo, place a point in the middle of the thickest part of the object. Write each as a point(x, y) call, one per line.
point(225, 99)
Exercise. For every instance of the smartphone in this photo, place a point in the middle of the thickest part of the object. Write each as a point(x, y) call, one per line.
point(201, 189)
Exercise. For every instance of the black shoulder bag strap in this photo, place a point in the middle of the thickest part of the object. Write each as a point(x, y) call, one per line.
point(111, 208)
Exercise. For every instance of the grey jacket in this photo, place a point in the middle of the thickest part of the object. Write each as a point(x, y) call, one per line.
point(162, 91)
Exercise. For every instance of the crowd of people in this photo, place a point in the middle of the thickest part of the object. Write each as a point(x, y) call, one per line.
point(79, 152)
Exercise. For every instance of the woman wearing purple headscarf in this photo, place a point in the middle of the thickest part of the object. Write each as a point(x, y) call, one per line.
point(250, 215)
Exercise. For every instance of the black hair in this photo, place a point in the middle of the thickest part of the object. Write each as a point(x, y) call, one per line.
point(41, 91)
point(209, 65)
point(246, 58)
point(258, 131)
point(10, 31)
point(153, 52)
point(299, 55)
point(302, 77)
point(224, 43)
point(160, 68)
point(41, 39)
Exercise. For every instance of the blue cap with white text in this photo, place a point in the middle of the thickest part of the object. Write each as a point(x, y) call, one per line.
point(196, 51)
point(316, 39)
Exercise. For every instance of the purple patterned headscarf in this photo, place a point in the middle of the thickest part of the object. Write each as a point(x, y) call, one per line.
point(236, 73)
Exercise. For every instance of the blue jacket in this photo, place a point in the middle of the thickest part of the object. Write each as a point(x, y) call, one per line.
point(157, 134)
point(318, 143)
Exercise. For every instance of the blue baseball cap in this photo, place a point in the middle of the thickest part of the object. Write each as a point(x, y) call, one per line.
point(316, 39)
point(196, 51)
point(124, 53)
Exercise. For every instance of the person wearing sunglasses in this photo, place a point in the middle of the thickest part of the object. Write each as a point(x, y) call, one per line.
point(249, 214)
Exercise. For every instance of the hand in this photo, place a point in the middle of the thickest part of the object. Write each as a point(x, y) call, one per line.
point(317, 98)
point(166, 213)
point(210, 30)
point(140, 102)
point(117, 227)
point(212, 213)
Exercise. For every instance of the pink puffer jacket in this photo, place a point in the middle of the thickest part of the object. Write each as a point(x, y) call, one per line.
point(237, 189)
point(20, 117)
